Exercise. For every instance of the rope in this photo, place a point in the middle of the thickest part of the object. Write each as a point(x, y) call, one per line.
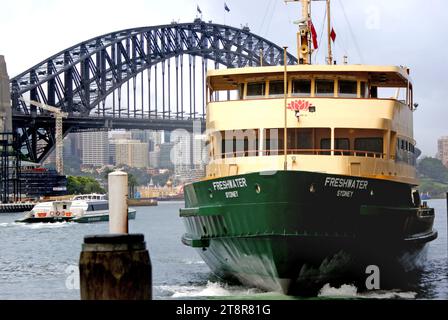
point(351, 32)
point(270, 19)
point(321, 35)
point(265, 16)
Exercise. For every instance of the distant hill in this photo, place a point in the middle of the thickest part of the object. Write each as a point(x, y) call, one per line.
point(433, 177)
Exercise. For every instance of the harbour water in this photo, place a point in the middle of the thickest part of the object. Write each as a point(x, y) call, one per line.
point(39, 261)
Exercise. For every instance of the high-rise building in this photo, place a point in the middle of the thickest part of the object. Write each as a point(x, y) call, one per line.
point(95, 148)
point(443, 150)
point(132, 153)
point(154, 139)
point(154, 158)
point(165, 161)
point(121, 135)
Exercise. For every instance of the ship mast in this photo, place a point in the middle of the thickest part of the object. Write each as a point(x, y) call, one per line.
point(304, 50)
point(330, 53)
point(303, 36)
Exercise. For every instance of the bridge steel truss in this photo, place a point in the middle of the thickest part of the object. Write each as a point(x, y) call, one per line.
point(131, 79)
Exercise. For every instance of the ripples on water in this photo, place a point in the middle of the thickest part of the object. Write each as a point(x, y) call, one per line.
point(37, 261)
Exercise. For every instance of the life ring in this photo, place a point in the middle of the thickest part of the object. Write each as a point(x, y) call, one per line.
point(58, 214)
point(51, 213)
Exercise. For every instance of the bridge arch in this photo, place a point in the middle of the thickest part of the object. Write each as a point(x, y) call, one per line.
point(81, 78)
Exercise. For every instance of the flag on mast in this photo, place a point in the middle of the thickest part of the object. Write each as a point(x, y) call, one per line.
point(313, 34)
point(226, 7)
point(199, 10)
point(333, 35)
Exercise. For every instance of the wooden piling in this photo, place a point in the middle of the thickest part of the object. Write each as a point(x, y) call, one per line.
point(115, 267)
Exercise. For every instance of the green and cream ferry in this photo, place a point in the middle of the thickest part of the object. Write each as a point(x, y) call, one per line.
point(84, 208)
point(338, 196)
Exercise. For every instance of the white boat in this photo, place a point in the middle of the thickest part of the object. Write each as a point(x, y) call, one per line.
point(84, 208)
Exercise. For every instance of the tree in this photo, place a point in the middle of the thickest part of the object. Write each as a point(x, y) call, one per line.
point(106, 173)
point(132, 183)
point(434, 169)
point(83, 185)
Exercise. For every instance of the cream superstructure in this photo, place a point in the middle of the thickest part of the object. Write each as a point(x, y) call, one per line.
point(341, 119)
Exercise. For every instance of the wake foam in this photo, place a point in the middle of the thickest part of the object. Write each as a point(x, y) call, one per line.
point(211, 289)
point(350, 291)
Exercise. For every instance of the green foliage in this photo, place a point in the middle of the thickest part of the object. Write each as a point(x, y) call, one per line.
point(433, 177)
point(106, 174)
point(139, 176)
point(433, 169)
point(83, 185)
point(434, 189)
point(161, 179)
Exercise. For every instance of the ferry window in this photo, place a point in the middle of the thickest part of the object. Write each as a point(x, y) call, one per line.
point(300, 139)
point(277, 88)
point(402, 144)
point(374, 92)
point(241, 91)
point(348, 88)
point(273, 142)
point(324, 88)
point(369, 144)
point(301, 88)
point(239, 143)
point(343, 146)
point(363, 89)
point(256, 89)
point(325, 144)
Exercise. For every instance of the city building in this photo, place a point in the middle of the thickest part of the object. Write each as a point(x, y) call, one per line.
point(442, 154)
point(95, 148)
point(154, 139)
point(154, 158)
point(132, 153)
point(121, 135)
point(165, 161)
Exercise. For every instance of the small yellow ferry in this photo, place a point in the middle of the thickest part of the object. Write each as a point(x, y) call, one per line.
point(311, 174)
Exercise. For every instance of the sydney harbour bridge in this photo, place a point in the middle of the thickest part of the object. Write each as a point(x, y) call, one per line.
point(144, 78)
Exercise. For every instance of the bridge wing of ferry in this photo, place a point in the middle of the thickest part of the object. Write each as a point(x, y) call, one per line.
point(144, 78)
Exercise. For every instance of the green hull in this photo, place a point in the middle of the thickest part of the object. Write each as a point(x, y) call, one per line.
point(278, 231)
point(102, 217)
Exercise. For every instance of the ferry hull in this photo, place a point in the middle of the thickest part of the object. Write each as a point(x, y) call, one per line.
point(294, 231)
point(92, 218)
point(102, 217)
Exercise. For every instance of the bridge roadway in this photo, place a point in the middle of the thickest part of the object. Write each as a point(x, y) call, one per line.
point(97, 123)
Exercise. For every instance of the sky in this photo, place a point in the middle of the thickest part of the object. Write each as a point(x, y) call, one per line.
point(379, 32)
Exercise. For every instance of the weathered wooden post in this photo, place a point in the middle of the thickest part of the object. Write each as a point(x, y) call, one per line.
point(116, 266)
